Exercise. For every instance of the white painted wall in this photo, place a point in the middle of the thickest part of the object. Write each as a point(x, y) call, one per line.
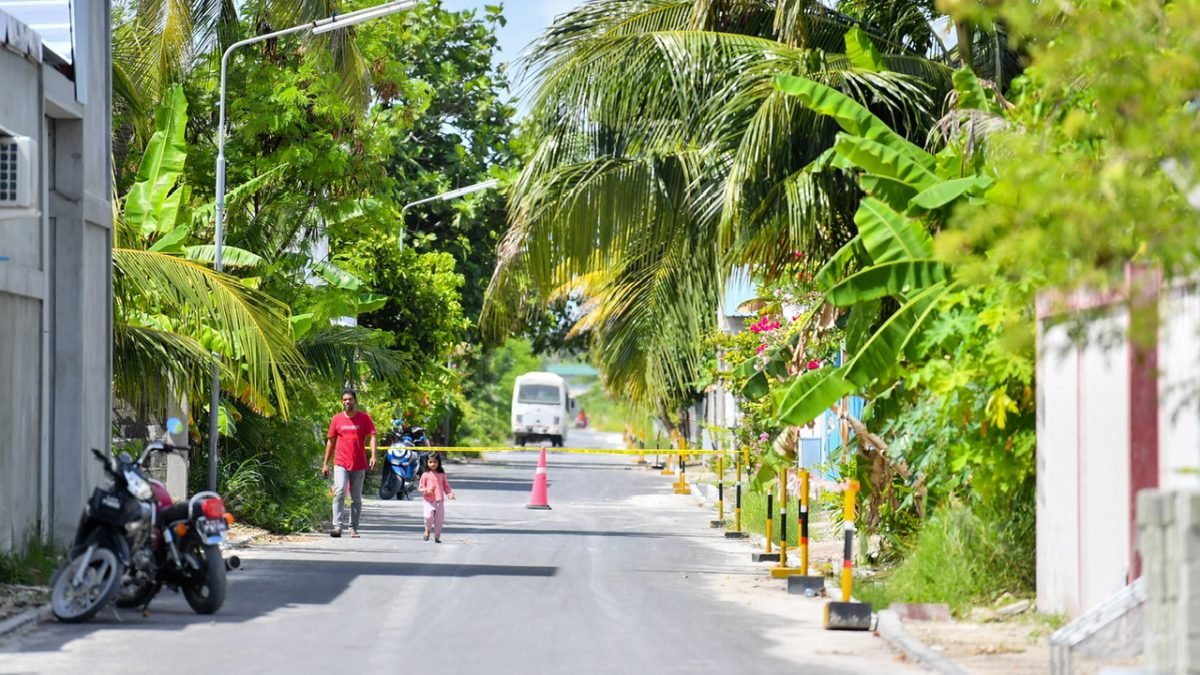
point(1083, 532)
point(1083, 468)
point(1179, 388)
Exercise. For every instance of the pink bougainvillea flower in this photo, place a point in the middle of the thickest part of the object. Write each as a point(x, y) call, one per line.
point(761, 349)
point(764, 437)
point(797, 255)
point(814, 364)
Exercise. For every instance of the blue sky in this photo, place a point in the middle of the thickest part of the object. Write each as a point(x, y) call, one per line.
point(526, 20)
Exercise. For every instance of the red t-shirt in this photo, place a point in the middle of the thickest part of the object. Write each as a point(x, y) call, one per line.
point(351, 434)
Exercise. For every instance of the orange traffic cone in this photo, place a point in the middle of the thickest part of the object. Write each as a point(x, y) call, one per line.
point(539, 499)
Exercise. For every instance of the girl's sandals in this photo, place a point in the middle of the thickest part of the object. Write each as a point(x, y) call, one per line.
point(426, 535)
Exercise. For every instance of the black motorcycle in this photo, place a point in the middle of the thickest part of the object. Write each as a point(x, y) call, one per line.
point(132, 540)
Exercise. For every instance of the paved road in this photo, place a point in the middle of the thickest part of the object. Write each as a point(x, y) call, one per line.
point(620, 575)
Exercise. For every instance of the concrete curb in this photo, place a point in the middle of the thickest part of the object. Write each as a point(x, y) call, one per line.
point(244, 542)
point(26, 618)
point(891, 629)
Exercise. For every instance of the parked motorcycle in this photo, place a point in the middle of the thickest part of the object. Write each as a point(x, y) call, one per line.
point(400, 470)
point(132, 540)
point(404, 462)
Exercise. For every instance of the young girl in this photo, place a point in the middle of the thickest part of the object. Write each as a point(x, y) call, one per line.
point(436, 489)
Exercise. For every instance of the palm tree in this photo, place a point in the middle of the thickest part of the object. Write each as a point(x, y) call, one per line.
point(157, 43)
point(665, 157)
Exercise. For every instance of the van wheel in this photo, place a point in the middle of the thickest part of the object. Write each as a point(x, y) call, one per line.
point(519, 440)
point(556, 441)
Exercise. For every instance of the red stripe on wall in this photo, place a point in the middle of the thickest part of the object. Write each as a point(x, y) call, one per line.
point(1144, 285)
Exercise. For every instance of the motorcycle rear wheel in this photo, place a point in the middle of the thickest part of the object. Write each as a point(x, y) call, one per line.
point(73, 603)
point(206, 593)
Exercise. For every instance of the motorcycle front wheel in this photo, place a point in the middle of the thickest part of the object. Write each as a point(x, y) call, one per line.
point(206, 593)
point(99, 576)
point(387, 486)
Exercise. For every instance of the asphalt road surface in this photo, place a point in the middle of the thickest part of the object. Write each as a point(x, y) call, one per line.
point(617, 577)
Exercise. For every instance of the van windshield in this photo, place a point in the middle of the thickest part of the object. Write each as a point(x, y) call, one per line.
point(546, 394)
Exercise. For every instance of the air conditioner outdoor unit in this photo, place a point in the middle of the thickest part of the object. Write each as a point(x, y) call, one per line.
point(18, 177)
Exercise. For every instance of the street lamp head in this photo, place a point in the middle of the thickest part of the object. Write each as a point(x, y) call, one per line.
point(454, 194)
point(337, 22)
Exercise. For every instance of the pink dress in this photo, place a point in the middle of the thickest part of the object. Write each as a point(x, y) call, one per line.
point(435, 489)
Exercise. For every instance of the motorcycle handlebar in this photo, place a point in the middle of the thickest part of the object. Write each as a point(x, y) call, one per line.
point(159, 446)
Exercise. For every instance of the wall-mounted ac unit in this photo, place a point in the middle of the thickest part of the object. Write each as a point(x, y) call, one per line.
point(18, 177)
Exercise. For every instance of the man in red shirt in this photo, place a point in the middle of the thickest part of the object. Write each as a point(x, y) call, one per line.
point(349, 432)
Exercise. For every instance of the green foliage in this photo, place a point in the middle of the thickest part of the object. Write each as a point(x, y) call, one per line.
point(32, 564)
point(486, 411)
point(269, 472)
point(606, 413)
point(316, 184)
point(962, 557)
point(1098, 166)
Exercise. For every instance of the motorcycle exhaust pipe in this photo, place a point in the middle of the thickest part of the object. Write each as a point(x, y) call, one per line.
point(232, 563)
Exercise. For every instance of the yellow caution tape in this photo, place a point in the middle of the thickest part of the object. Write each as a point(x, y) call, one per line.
point(574, 451)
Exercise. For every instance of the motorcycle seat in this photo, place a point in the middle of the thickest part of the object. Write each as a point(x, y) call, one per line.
point(176, 512)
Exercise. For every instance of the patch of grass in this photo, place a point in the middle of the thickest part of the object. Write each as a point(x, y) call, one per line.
point(33, 565)
point(754, 514)
point(961, 558)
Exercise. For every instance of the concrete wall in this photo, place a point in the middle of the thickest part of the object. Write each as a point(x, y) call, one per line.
point(1169, 534)
point(56, 284)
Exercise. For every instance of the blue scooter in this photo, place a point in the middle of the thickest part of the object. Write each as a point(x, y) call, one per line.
point(400, 469)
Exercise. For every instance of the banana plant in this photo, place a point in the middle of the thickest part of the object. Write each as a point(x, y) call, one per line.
point(172, 311)
point(909, 192)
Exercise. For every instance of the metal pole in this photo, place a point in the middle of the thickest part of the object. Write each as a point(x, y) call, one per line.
point(214, 402)
point(804, 522)
point(720, 488)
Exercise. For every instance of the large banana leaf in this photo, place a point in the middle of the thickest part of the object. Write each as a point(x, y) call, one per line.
point(886, 160)
point(900, 278)
point(970, 92)
point(889, 236)
point(852, 116)
point(880, 354)
point(862, 52)
point(231, 256)
point(943, 193)
point(890, 191)
point(834, 270)
point(811, 394)
point(148, 206)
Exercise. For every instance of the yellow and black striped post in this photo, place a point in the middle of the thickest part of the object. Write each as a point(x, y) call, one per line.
point(848, 615)
point(770, 532)
point(783, 571)
point(767, 555)
point(848, 529)
point(720, 521)
point(802, 583)
point(804, 521)
point(737, 504)
point(681, 488)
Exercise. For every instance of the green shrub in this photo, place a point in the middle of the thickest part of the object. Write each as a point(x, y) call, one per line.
point(32, 565)
point(270, 474)
point(962, 557)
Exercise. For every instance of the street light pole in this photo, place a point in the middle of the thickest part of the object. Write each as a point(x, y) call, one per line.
point(317, 27)
point(445, 196)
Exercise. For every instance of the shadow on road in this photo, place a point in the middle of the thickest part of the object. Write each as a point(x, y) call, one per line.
point(263, 586)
